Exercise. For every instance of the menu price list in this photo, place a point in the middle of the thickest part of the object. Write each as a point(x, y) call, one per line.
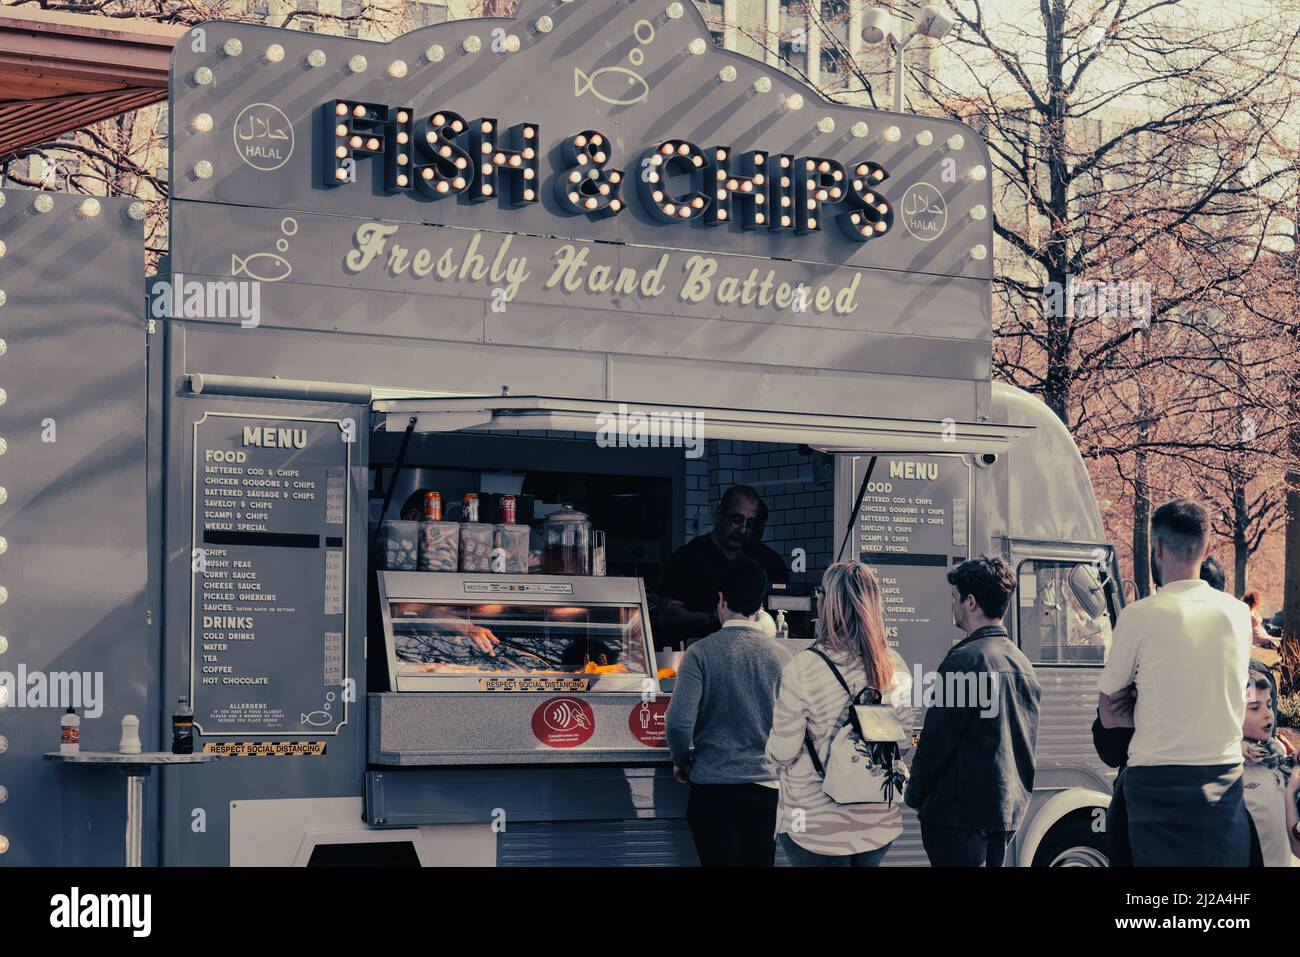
point(270, 540)
point(911, 525)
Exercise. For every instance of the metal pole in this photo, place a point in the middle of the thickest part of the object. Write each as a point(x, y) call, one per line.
point(392, 481)
point(134, 814)
point(898, 77)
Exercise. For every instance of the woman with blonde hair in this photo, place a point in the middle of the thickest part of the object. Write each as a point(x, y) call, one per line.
point(811, 707)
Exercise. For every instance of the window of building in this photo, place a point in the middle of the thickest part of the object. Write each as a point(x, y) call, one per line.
point(350, 8)
point(1063, 613)
point(259, 8)
point(789, 58)
point(427, 14)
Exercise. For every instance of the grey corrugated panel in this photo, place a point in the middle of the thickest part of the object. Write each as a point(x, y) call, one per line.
point(1066, 712)
point(648, 843)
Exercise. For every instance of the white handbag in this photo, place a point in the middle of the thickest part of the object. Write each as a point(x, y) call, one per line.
point(863, 765)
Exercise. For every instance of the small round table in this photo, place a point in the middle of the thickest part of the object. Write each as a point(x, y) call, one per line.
point(137, 768)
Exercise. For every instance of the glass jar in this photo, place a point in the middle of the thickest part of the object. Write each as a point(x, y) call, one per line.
point(566, 543)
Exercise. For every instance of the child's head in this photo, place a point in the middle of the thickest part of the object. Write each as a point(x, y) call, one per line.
point(1259, 723)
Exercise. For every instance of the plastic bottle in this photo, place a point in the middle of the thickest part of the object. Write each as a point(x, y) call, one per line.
point(782, 629)
point(70, 732)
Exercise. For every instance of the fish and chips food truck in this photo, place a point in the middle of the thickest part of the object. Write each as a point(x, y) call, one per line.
point(459, 337)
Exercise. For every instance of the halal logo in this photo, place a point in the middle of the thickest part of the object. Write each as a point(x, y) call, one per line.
point(263, 136)
point(925, 214)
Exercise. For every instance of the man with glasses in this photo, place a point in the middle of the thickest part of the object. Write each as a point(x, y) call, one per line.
point(688, 594)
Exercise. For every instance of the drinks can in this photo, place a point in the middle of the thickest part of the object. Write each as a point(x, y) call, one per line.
point(507, 510)
point(433, 506)
point(470, 505)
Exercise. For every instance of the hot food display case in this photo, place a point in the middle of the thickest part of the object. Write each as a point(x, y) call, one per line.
point(536, 632)
point(509, 669)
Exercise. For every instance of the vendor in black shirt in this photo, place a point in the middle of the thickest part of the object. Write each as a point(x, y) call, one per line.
point(688, 594)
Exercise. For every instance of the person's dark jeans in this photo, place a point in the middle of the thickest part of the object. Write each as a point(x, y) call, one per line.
point(948, 846)
point(1121, 855)
point(800, 857)
point(733, 824)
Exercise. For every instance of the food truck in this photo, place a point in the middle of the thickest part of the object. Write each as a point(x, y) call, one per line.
point(459, 337)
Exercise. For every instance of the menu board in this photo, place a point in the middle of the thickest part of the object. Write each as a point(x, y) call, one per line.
point(268, 635)
point(911, 528)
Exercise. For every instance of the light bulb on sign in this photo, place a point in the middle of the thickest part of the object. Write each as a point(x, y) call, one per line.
point(979, 173)
point(513, 43)
point(4, 844)
point(924, 138)
point(826, 124)
point(727, 74)
point(203, 169)
point(357, 64)
point(794, 101)
point(3, 249)
point(435, 53)
point(544, 24)
point(860, 129)
point(979, 252)
point(89, 207)
point(316, 58)
point(698, 46)
point(201, 123)
point(763, 85)
point(233, 47)
point(43, 203)
point(203, 76)
point(274, 53)
point(397, 69)
point(978, 212)
point(137, 211)
point(675, 11)
point(956, 141)
point(893, 134)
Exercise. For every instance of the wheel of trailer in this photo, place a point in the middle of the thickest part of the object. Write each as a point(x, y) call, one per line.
point(1073, 843)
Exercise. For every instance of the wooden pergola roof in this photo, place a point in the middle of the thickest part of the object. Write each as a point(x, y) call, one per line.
point(62, 71)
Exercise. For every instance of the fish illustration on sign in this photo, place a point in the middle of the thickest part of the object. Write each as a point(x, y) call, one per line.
point(263, 267)
point(615, 85)
point(316, 718)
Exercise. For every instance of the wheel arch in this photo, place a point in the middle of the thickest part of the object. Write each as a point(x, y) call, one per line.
point(1053, 811)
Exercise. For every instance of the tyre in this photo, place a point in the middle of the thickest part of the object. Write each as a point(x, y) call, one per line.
point(1073, 843)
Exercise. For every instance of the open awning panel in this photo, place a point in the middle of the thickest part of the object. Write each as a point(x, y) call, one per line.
point(830, 433)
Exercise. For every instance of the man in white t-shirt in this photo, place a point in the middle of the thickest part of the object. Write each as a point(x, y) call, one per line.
point(1177, 674)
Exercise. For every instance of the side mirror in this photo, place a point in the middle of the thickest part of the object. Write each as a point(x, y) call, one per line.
point(1088, 590)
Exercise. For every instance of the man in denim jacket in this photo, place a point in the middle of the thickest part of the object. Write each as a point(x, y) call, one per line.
point(973, 772)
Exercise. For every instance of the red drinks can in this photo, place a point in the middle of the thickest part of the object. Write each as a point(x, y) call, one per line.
point(432, 506)
point(507, 510)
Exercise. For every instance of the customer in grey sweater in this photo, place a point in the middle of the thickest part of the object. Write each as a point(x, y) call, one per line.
point(722, 706)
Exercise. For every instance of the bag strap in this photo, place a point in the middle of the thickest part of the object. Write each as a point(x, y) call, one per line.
point(848, 708)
